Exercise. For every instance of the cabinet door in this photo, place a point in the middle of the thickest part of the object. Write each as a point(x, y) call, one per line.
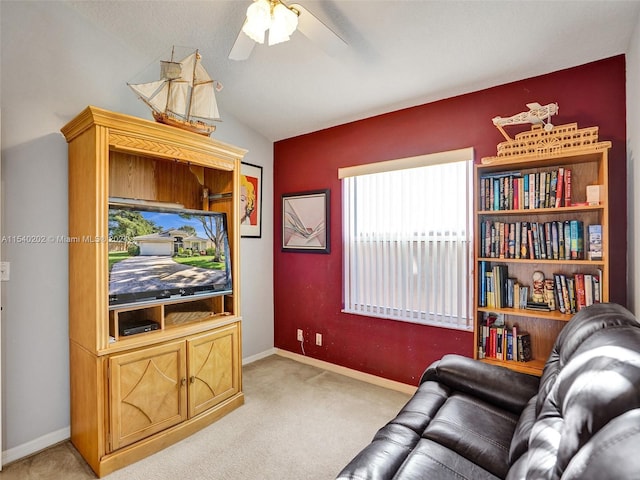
point(213, 368)
point(148, 392)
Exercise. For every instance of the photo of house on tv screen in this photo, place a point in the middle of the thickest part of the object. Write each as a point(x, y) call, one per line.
point(158, 254)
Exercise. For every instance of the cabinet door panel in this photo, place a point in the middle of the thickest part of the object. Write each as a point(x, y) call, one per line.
point(213, 368)
point(147, 392)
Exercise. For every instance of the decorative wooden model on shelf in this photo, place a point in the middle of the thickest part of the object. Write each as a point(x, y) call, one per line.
point(563, 139)
point(133, 394)
point(541, 248)
point(184, 95)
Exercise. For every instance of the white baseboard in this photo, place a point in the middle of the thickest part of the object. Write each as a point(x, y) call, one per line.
point(259, 356)
point(35, 445)
point(349, 372)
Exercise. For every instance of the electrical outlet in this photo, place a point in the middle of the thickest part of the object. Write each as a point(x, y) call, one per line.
point(300, 335)
point(319, 339)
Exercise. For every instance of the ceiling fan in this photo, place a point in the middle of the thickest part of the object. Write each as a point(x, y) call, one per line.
point(281, 21)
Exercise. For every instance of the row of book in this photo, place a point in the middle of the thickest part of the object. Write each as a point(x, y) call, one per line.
point(573, 293)
point(559, 240)
point(501, 342)
point(516, 191)
point(566, 293)
point(497, 289)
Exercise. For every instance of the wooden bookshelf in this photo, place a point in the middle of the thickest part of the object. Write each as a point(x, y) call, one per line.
point(588, 164)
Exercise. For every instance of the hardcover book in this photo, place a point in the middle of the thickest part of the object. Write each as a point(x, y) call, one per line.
point(524, 347)
point(558, 293)
point(553, 188)
point(567, 188)
point(559, 189)
point(595, 242)
point(580, 291)
point(577, 239)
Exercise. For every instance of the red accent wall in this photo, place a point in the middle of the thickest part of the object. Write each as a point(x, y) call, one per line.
point(308, 287)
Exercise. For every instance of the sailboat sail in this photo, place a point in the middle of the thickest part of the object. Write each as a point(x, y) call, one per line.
point(153, 93)
point(170, 70)
point(184, 96)
point(203, 99)
point(178, 98)
point(203, 103)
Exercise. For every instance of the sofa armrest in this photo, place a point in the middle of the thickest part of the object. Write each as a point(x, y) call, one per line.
point(492, 383)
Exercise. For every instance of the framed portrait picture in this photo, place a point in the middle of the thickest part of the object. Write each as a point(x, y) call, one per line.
point(250, 200)
point(305, 222)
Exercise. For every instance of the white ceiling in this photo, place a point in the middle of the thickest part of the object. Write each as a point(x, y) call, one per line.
point(400, 53)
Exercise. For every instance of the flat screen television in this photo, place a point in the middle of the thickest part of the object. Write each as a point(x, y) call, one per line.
point(158, 253)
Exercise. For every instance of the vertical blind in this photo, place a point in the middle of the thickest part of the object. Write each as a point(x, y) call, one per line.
point(406, 233)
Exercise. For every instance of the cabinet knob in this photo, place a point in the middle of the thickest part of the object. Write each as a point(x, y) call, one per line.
point(192, 379)
point(183, 382)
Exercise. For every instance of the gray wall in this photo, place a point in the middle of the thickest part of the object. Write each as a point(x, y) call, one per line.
point(54, 64)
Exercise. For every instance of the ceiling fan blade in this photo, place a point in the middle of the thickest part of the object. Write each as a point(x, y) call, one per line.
point(318, 32)
point(242, 48)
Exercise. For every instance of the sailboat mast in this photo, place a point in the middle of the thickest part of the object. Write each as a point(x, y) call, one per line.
point(170, 81)
point(193, 83)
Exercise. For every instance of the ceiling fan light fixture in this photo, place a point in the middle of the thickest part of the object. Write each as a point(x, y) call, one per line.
point(272, 15)
point(258, 20)
point(283, 23)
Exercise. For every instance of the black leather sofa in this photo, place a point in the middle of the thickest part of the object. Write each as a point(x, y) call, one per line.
point(471, 420)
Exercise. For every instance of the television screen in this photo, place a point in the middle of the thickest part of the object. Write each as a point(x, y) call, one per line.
point(157, 253)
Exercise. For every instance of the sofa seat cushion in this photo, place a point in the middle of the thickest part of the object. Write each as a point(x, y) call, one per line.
point(394, 442)
point(439, 434)
point(476, 430)
point(431, 461)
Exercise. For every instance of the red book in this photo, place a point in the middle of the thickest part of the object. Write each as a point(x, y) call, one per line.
point(559, 185)
point(567, 188)
point(493, 340)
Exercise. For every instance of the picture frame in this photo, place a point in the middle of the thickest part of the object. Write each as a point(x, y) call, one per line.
point(306, 222)
point(250, 200)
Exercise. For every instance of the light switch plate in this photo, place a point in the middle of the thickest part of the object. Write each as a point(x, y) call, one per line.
point(5, 270)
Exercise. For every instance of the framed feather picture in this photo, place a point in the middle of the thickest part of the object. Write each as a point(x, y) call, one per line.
point(305, 222)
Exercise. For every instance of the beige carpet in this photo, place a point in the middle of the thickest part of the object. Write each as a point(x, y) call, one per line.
point(298, 423)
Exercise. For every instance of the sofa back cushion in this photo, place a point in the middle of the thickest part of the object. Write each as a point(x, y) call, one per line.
point(597, 382)
point(613, 454)
point(520, 440)
point(587, 321)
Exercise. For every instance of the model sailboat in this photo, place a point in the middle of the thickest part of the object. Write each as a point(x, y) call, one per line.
point(184, 97)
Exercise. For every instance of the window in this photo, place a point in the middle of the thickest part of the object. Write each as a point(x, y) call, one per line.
point(406, 233)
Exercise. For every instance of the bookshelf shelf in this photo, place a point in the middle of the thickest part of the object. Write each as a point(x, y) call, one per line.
point(503, 259)
point(542, 211)
point(542, 261)
point(523, 312)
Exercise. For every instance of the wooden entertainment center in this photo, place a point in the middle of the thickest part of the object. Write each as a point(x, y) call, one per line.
point(134, 395)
